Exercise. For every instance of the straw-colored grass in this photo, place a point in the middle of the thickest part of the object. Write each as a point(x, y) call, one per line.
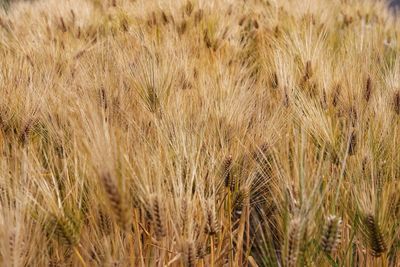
point(199, 133)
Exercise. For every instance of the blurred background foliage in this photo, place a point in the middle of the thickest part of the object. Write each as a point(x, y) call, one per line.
point(395, 4)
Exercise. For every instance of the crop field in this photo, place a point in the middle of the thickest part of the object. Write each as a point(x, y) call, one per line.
point(199, 133)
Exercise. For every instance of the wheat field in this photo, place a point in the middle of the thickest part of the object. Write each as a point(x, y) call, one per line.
point(199, 133)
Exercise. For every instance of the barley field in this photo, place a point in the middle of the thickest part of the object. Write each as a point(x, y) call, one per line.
point(199, 133)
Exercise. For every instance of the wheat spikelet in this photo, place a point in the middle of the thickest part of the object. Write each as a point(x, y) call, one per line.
point(226, 171)
point(11, 243)
point(158, 217)
point(184, 216)
point(105, 223)
point(303, 256)
point(242, 20)
point(368, 89)
point(63, 27)
point(331, 234)
point(374, 236)
point(188, 8)
point(355, 256)
point(182, 27)
point(212, 226)
point(73, 15)
point(396, 102)
point(115, 199)
point(202, 250)
point(198, 16)
point(293, 242)
point(207, 40)
point(164, 18)
point(286, 101)
point(256, 24)
point(103, 98)
point(65, 230)
point(238, 204)
point(353, 142)
point(274, 81)
point(152, 21)
point(189, 252)
point(25, 132)
point(307, 71)
point(353, 116)
point(336, 94)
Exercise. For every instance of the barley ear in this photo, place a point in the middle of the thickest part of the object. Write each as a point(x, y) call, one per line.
point(115, 199)
point(65, 230)
point(212, 226)
point(396, 102)
point(158, 217)
point(368, 89)
point(374, 236)
point(293, 242)
point(226, 171)
point(189, 253)
point(331, 234)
